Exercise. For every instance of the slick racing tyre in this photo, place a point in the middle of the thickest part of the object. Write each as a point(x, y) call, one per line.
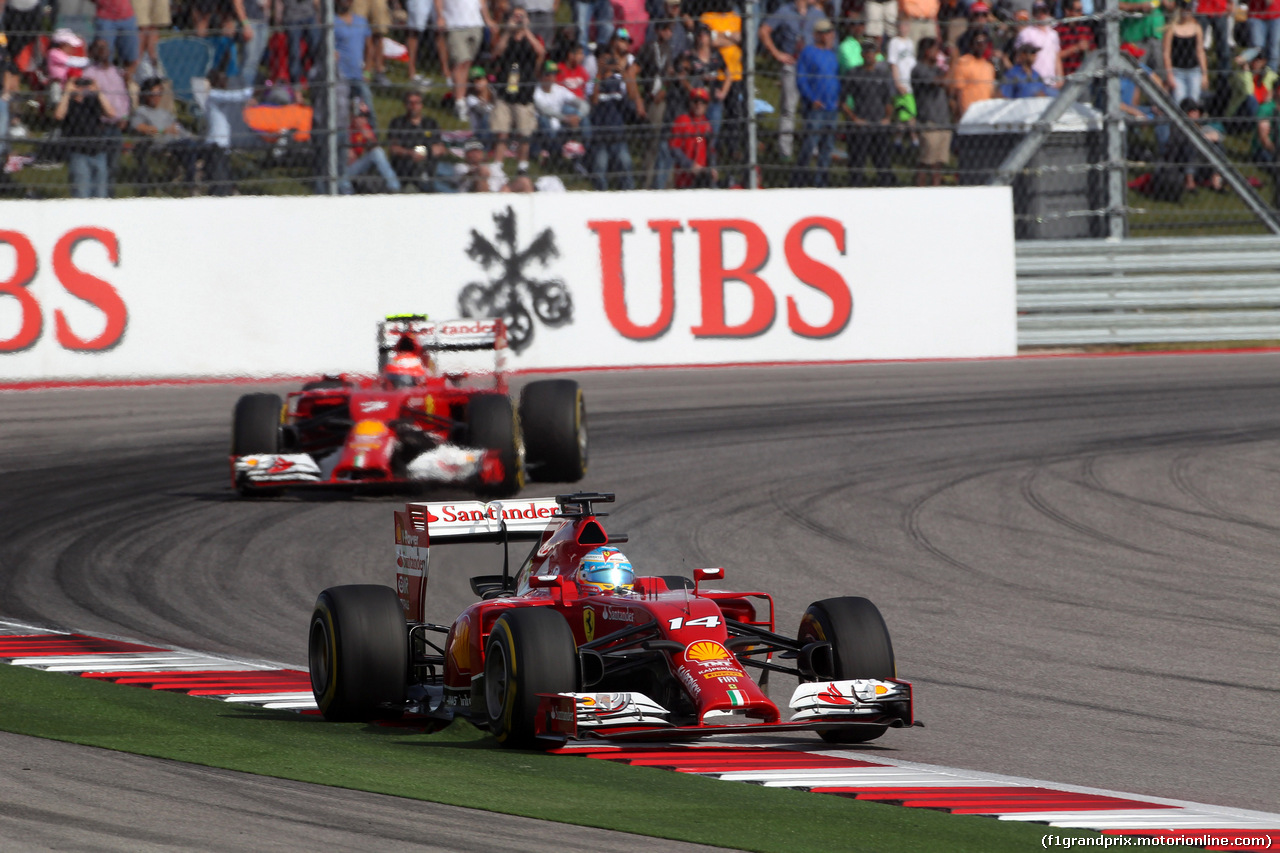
point(530, 651)
point(491, 422)
point(358, 653)
point(860, 647)
point(255, 427)
point(553, 416)
point(328, 383)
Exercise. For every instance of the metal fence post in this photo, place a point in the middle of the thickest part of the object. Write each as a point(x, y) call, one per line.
point(749, 83)
point(1114, 118)
point(331, 101)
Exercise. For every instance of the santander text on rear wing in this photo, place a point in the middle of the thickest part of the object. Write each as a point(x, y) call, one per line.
point(439, 335)
point(524, 519)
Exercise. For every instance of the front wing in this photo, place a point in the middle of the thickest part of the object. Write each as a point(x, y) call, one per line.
point(824, 705)
point(445, 464)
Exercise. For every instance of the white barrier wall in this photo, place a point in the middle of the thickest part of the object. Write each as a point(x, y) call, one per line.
point(294, 286)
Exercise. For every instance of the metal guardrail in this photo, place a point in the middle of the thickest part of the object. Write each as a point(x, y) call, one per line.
point(1180, 290)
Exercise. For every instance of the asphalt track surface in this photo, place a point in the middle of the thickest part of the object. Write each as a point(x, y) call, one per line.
point(1077, 557)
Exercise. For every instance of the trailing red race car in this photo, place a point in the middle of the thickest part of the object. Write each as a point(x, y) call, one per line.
point(574, 644)
point(438, 412)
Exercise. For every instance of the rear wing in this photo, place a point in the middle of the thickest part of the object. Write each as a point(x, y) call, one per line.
point(474, 521)
point(443, 335)
point(523, 520)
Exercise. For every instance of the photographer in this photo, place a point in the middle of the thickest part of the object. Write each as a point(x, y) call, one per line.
point(413, 141)
point(520, 55)
point(81, 111)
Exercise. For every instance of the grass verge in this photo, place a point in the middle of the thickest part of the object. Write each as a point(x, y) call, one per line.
point(461, 766)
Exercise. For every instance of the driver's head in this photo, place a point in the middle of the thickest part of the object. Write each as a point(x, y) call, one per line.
point(606, 570)
point(404, 370)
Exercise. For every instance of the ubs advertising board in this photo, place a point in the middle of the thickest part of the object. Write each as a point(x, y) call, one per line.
point(159, 288)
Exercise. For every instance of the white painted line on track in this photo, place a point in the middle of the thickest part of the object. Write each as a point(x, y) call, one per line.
point(296, 698)
point(8, 626)
point(980, 777)
point(124, 662)
point(1142, 819)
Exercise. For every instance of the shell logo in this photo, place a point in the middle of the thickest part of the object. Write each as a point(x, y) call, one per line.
point(460, 648)
point(370, 428)
point(706, 650)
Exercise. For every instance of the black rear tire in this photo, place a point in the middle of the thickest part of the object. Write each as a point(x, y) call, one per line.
point(530, 651)
point(255, 426)
point(492, 425)
point(358, 653)
point(553, 415)
point(326, 384)
point(860, 647)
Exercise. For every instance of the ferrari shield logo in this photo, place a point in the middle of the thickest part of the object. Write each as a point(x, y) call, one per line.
point(589, 623)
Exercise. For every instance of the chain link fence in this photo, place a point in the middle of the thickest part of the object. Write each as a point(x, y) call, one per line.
point(214, 97)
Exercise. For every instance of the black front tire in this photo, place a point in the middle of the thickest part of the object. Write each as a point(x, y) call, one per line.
point(255, 426)
point(530, 651)
point(860, 647)
point(492, 425)
point(358, 653)
point(553, 415)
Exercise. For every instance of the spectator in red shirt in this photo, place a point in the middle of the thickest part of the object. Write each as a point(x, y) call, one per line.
point(689, 136)
point(364, 152)
point(1264, 29)
point(1076, 38)
point(572, 75)
point(1215, 16)
point(116, 24)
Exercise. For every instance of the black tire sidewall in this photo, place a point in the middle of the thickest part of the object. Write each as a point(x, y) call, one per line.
point(255, 426)
point(541, 657)
point(553, 417)
point(860, 646)
point(364, 669)
point(492, 425)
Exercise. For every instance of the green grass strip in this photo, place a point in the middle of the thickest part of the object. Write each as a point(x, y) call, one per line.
point(462, 766)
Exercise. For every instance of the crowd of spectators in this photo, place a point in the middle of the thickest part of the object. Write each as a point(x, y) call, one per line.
point(612, 94)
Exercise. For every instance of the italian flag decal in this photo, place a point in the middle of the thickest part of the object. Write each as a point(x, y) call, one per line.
point(737, 697)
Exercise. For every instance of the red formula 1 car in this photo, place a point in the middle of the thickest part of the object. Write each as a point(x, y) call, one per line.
point(575, 645)
point(438, 412)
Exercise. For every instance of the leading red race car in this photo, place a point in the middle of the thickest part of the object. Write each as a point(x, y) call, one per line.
point(437, 412)
point(574, 644)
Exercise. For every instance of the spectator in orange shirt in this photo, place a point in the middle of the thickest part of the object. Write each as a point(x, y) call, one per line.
point(974, 77)
point(921, 17)
point(726, 37)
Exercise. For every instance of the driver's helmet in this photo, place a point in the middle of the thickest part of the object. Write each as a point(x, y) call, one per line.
point(404, 370)
point(606, 569)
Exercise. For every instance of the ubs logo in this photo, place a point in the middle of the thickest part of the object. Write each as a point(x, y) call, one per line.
point(512, 291)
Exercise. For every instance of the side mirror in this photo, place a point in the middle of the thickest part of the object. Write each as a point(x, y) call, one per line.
point(554, 582)
point(700, 575)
